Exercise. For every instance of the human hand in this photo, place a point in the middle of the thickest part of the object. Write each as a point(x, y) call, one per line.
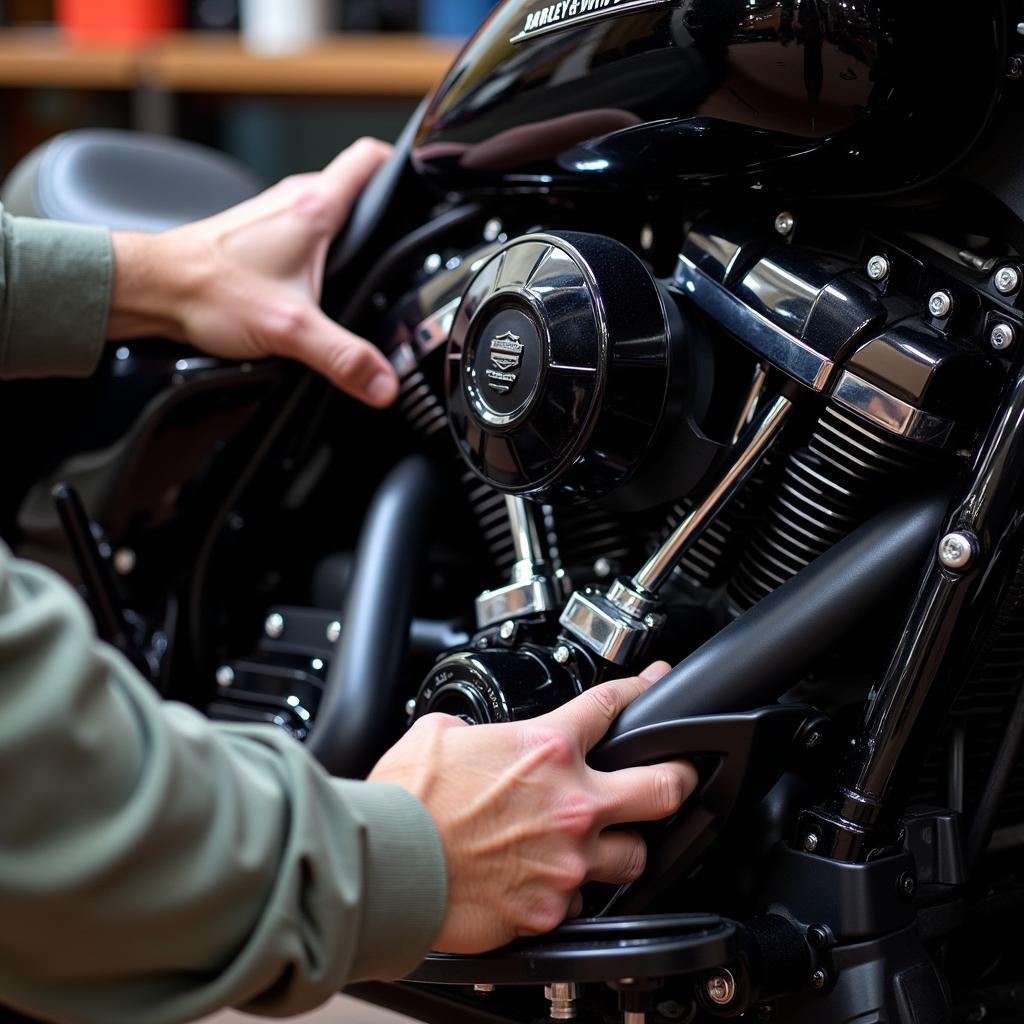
point(246, 283)
point(522, 817)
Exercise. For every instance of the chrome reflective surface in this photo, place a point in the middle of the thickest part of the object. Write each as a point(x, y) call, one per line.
point(889, 412)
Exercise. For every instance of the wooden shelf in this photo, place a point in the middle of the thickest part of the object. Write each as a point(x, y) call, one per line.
point(340, 65)
point(354, 65)
point(31, 58)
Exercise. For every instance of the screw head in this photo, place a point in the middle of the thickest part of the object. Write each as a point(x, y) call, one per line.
point(906, 884)
point(956, 550)
point(124, 561)
point(721, 988)
point(784, 223)
point(225, 675)
point(650, 621)
point(1006, 280)
point(602, 568)
point(410, 707)
point(817, 936)
point(333, 632)
point(878, 268)
point(432, 264)
point(819, 979)
point(940, 305)
point(274, 626)
point(1002, 337)
point(562, 654)
point(811, 841)
point(507, 630)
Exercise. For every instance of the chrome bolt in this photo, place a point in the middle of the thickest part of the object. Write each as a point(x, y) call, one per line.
point(819, 979)
point(602, 568)
point(225, 675)
point(811, 841)
point(333, 632)
point(562, 654)
point(1002, 337)
point(940, 305)
point(562, 998)
point(274, 626)
point(650, 621)
point(507, 630)
point(432, 264)
point(721, 988)
point(410, 707)
point(956, 550)
point(878, 268)
point(492, 229)
point(1020, 28)
point(1006, 280)
point(483, 989)
point(785, 223)
point(124, 562)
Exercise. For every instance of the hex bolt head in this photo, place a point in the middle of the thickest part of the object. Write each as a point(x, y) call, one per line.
point(906, 884)
point(274, 625)
point(562, 654)
point(819, 979)
point(333, 632)
point(940, 305)
point(1001, 337)
point(878, 268)
point(1006, 280)
point(784, 223)
point(225, 676)
point(956, 550)
point(721, 988)
point(811, 841)
point(507, 630)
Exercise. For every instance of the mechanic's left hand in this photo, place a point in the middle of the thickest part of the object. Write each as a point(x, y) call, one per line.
point(246, 283)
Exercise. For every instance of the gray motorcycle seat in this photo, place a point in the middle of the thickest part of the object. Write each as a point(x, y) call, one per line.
point(126, 181)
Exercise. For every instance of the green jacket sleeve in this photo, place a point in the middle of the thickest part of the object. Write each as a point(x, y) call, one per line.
point(153, 866)
point(55, 285)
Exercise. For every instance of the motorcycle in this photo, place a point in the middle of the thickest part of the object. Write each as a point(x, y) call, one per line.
point(709, 321)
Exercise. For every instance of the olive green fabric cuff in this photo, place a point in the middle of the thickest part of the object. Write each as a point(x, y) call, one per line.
point(406, 888)
point(55, 289)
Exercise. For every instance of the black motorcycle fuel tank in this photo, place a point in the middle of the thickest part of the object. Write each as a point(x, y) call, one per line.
point(823, 97)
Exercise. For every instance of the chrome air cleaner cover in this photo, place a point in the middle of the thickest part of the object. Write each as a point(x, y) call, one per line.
point(558, 366)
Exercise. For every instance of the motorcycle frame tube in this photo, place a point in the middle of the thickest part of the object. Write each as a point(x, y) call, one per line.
point(942, 636)
point(357, 711)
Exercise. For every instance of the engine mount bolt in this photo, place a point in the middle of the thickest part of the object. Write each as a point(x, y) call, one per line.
point(956, 550)
point(784, 223)
point(483, 989)
point(333, 632)
point(562, 654)
point(819, 979)
point(124, 561)
point(811, 841)
point(507, 630)
point(940, 305)
point(1002, 337)
point(274, 626)
point(410, 707)
point(225, 675)
point(721, 988)
point(1006, 280)
point(878, 268)
point(562, 998)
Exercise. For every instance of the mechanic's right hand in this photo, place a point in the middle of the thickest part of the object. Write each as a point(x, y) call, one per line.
point(522, 817)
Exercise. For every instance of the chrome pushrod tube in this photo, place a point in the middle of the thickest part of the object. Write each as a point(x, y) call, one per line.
point(525, 535)
point(749, 452)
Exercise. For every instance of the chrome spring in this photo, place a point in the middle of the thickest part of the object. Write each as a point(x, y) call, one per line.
point(848, 470)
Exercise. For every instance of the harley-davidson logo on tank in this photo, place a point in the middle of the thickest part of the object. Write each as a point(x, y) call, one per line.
point(551, 17)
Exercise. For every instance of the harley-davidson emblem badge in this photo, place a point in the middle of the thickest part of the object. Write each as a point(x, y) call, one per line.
point(551, 17)
point(507, 357)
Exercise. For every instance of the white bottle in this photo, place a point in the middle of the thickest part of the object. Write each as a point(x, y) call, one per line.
point(281, 26)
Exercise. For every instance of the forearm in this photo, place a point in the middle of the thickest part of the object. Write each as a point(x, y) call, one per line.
point(154, 867)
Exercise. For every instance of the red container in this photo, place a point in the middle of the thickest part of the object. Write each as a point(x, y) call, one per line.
point(117, 22)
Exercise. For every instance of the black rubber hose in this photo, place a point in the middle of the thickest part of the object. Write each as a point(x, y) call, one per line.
point(360, 701)
point(756, 657)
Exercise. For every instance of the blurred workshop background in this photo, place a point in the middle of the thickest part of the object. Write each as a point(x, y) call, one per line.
point(280, 84)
